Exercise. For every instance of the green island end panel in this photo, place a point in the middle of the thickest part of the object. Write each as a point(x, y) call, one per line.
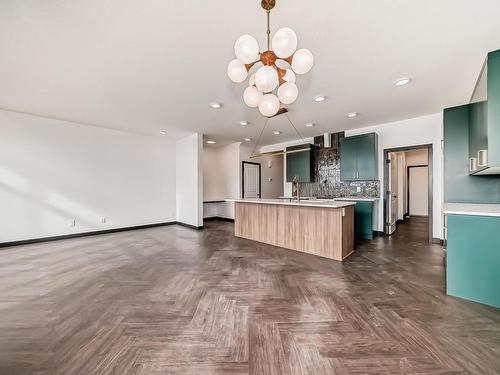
point(473, 258)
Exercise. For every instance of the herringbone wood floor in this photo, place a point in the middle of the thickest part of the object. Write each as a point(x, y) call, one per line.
point(171, 300)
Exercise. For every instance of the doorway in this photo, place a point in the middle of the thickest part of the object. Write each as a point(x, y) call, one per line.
point(408, 187)
point(251, 176)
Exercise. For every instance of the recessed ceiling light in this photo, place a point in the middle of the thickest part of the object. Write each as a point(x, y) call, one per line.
point(248, 139)
point(352, 114)
point(243, 123)
point(276, 132)
point(210, 142)
point(163, 132)
point(402, 82)
point(309, 124)
point(319, 98)
point(215, 105)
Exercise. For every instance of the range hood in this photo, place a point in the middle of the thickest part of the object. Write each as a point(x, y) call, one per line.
point(484, 120)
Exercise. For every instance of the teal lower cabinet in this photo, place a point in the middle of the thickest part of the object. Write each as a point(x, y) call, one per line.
point(363, 220)
point(473, 258)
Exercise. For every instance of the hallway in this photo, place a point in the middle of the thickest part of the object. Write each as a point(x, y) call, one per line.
point(171, 300)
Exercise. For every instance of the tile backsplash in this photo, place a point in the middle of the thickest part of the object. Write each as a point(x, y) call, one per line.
point(327, 181)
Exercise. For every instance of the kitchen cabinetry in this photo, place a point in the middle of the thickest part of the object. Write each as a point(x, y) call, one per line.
point(473, 258)
point(359, 158)
point(300, 164)
point(363, 220)
point(484, 119)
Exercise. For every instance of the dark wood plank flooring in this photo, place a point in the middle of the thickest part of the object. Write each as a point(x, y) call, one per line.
point(172, 300)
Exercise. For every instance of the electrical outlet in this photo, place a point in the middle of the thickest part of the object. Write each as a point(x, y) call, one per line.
point(72, 223)
point(358, 189)
point(103, 220)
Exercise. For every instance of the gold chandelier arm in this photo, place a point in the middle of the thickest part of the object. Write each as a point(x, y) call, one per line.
point(249, 66)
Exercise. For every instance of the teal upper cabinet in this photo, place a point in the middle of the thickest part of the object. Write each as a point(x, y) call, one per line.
point(359, 158)
point(300, 164)
point(484, 120)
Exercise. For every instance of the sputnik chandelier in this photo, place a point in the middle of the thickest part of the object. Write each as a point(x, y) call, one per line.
point(271, 85)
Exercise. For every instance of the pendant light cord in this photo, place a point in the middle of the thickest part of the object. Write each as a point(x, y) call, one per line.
point(258, 139)
point(291, 123)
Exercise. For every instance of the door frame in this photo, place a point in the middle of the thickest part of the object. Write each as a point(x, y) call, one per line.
point(430, 182)
point(408, 184)
point(243, 177)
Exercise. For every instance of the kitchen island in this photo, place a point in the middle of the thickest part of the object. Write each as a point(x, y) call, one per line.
point(315, 227)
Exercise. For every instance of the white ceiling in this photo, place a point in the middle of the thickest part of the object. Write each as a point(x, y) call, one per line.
point(146, 66)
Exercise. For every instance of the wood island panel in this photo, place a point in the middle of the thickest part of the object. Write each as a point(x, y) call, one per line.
point(322, 231)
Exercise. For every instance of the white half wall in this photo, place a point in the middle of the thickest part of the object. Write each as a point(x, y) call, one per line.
point(53, 172)
point(411, 132)
point(189, 179)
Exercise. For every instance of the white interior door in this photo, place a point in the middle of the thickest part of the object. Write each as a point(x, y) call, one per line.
point(418, 185)
point(251, 176)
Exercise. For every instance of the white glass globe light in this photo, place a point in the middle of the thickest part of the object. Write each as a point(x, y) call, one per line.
point(246, 49)
point(289, 76)
point(269, 105)
point(236, 71)
point(251, 80)
point(266, 78)
point(284, 42)
point(252, 97)
point(302, 61)
point(282, 64)
point(288, 93)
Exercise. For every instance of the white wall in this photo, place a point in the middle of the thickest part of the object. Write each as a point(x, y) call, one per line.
point(220, 172)
point(52, 172)
point(221, 179)
point(412, 132)
point(189, 179)
point(272, 168)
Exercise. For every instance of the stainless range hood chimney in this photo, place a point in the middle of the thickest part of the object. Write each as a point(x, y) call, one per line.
point(327, 140)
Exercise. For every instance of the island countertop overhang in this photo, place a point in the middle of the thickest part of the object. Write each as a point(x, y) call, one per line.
point(320, 204)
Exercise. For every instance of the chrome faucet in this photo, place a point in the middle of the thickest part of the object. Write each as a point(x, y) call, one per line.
point(296, 188)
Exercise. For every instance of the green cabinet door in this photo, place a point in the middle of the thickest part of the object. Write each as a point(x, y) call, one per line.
point(473, 258)
point(358, 158)
point(348, 159)
point(299, 164)
point(367, 157)
point(363, 220)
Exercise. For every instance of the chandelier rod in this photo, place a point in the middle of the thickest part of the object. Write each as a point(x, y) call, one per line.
point(268, 31)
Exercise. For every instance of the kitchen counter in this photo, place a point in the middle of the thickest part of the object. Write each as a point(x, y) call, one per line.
point(360, 199)
point(323, 228)
point(471, 209)
point(351, 199)
point(305, 203)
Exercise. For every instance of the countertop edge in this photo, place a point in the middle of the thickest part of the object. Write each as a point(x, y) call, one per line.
point(301, 204)
point(473, 209)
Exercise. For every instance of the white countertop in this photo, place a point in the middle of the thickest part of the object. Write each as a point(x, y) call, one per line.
point(472, 209)
point(306, 203)
point(350, 199)
point(356, 199)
